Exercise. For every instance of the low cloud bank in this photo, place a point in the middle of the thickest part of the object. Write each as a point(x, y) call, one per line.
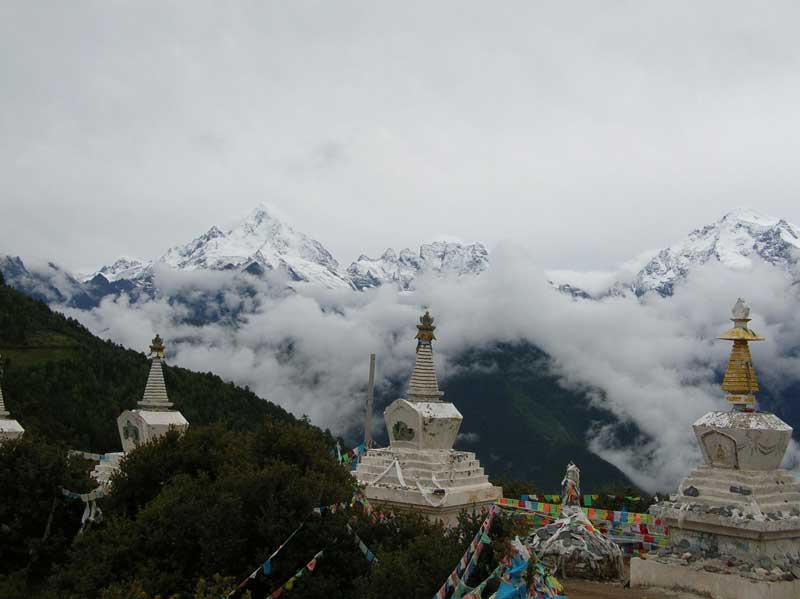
point(651, 362)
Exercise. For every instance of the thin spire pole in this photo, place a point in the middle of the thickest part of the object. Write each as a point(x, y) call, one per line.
point(370, 399)
point(3, 411)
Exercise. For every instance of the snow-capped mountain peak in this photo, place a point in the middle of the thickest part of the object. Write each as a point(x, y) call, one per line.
point(264, 239)
point(440, 257)
point(734, 240)
point(123, 267)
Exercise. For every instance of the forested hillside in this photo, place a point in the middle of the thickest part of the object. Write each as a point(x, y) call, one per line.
point(188, 515)
point(522, 423)
point(65, 384)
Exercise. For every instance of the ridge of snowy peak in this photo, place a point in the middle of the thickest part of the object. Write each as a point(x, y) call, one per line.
point(263, 239)
point(440, 257)
point(196, 253)
point(123, 267)
point(451, 257)
point(734, 240)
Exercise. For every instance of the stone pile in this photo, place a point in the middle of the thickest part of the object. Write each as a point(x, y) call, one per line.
point(576, 548)
point(785, 567)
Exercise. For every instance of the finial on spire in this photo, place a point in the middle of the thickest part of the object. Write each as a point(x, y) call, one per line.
point(425, 328)
point(157, 348)
point(740, 311)
point(740, 379)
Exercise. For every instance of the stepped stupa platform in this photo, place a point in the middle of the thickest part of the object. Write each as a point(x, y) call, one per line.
point(420, 470)
point(9, 428)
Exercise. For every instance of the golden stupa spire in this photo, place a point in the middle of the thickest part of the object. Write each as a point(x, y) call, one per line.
point(425, 328)
point(157, 348)
point(740, 380)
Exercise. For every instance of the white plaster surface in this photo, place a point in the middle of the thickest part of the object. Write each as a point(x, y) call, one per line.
point(739, 502)
point(107, 466)
point(438, 483)
point(650, 573)
point(743, 440)
point(10, 429)
point(137, 427)
point(430, 425)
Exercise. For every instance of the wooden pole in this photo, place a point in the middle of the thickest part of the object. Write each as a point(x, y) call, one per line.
point(370, 398)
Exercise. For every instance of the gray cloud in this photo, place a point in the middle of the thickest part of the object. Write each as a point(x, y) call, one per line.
point(586, 131)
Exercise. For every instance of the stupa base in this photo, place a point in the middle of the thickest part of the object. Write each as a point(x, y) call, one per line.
point(748, 514)
point(700, 578)
point(107, 467)
point(446, 514)
point(10, 429)
point(438, 483)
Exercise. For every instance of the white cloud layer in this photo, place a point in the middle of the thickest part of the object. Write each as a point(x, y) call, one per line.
point(651, 362)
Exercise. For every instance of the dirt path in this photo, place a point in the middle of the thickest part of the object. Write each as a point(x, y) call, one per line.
point(581, 589)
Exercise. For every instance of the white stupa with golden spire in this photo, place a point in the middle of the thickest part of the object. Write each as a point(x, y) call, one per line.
point(739, 504)
point(9, 428)
point(420, 470)
point(155, 415)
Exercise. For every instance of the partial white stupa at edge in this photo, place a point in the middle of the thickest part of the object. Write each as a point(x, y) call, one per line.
point(9, 428)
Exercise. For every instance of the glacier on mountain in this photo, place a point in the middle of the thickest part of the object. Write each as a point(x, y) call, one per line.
point(440, 257)
point(735, 241)
point(263, 242)
point(122, 268)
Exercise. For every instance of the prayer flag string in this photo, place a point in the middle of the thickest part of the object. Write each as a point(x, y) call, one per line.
point(266, 567)
point(289, 584)
point(475, 547)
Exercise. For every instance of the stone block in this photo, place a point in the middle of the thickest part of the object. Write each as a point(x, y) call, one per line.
point(742, 440)
point(137, 427)
point(652, 573)
point(10, 429)
point(422, 424)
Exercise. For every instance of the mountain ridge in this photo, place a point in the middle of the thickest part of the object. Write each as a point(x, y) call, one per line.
point(735, 240)
point(263, 243)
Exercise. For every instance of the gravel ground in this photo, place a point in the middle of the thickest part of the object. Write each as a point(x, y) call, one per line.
point(581, 589)
point(584, 589)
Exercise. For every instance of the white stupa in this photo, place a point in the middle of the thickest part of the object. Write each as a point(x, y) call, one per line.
point(9, 428)
point(738, 507)
point(155, 415)
point(420, 470)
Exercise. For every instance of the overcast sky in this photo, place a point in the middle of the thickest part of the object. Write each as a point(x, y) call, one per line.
point(589, 131)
